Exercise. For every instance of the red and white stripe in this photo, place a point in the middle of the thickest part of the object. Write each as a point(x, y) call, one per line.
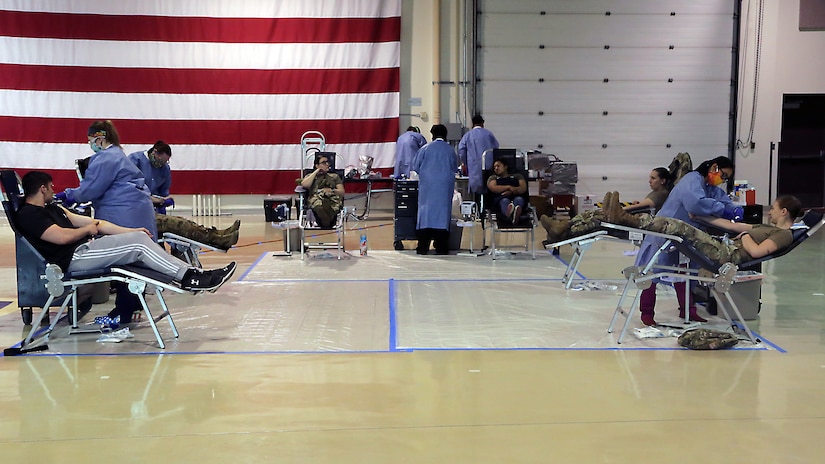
point(230, 85)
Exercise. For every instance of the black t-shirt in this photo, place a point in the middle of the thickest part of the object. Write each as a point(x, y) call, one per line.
point(33, 220)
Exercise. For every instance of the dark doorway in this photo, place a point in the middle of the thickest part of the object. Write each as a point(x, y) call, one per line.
point(801, 154)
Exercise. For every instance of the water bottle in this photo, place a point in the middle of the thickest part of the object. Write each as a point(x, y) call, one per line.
point(363, 244)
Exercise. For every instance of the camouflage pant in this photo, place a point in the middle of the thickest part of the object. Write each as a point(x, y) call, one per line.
point(704, 242)
point(186, 228)
point(585, 222)
point(325, 208)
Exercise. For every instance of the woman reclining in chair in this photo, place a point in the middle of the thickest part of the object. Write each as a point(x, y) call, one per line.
point(754, 241)
point(508, 190)
point(325, 193)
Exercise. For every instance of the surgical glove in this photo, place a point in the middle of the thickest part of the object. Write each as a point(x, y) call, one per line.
point(168, 202)
point(65, 198)
point(734, 213)
point(160, 209)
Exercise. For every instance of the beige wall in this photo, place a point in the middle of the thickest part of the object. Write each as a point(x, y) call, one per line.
point(431, 51)
point(791, 62)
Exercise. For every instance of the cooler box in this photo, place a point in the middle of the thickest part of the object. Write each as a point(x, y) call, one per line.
point(270, 205)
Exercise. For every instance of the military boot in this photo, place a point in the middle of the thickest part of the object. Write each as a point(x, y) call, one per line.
point(223, 241)
point(617, 215)
point(236, 226)
point(556, 228)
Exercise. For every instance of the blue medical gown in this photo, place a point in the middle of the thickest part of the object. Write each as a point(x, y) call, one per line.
point(470, 149)
point(406, 147)
point(117, 190)
point(159, 180)
point(692, 195)
point(436, 165)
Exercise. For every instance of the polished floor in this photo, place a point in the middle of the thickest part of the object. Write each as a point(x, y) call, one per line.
point(400, 358)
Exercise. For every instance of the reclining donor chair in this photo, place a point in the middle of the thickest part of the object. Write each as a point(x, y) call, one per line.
point(718, 277)
point(42, 284)
point(313, 236)
point(493, 220)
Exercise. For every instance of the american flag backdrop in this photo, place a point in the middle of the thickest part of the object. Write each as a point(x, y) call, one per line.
point(230, 85)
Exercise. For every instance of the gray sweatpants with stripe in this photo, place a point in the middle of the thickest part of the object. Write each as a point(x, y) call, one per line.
point(122, 249)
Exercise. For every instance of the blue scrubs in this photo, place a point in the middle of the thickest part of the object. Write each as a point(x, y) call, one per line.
point(159, 180)
point(406, 147)
point(436, 165)
point(692, 195)
point(470, 149)
point(117, 190)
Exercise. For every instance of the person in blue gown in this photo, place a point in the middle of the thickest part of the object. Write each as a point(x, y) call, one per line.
point(470, 148)
point(118, 193)
point(436, 164)
point(154, 164)
point(698, 193)
point(406, 147)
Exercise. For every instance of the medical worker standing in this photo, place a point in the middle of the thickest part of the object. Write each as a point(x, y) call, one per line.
point(406, 147)
point(119, 194)
point(470, 149)
point(154, 164)
point(115, 186)
point(436, 165)
point(698, 193)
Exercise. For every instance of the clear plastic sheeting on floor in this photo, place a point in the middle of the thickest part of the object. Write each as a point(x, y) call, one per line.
point(386, 302)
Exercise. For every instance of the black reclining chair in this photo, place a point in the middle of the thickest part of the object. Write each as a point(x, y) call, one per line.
point(493, 219)
point(309, 227)
point(43, 285)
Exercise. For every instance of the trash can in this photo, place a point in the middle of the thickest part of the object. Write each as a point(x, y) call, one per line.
point(746, 292)
point(100, 294)
point(455, 234)
point(294, 241)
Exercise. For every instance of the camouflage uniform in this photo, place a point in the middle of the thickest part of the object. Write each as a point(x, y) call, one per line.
point(680, 166)
point(707, 339)
point(177, 225)
point(704, 242)
point(709, 246)
point(325, 206)
point(585, 222)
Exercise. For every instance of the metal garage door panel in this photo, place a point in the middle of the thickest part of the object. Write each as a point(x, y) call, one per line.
point(598, 64)
point(532, 30)
point(599, 7)
point(624, 129)
point(564, 81)
point(613, 97)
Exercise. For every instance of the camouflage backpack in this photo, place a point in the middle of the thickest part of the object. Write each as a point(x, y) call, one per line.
point(680, 166)
point(707, 339)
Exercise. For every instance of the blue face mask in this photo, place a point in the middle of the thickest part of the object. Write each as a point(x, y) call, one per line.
point(95, 147)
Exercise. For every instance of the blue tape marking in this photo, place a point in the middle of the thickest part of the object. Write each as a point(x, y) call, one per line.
point(393, 316)
point(252, 266)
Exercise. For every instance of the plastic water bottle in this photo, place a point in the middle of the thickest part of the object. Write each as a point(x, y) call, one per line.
point(363, 244)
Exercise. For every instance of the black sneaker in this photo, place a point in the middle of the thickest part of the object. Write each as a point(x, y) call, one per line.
point(220, 276)
point(198, 280)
